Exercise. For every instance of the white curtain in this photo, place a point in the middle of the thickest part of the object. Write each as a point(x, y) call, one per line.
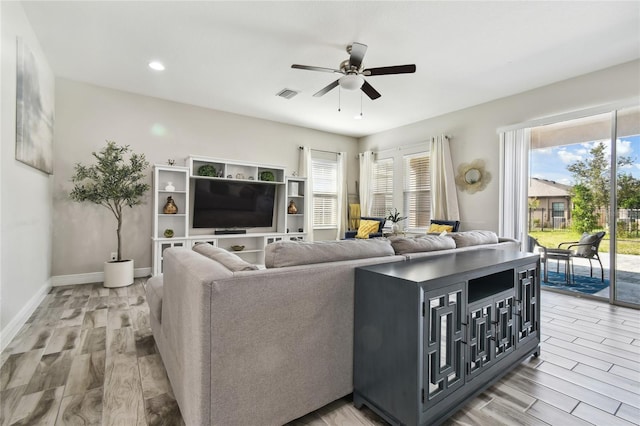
point(366, 170)
point(304, 169)
point(514, 174)
point(343, 202)
point(444, 198)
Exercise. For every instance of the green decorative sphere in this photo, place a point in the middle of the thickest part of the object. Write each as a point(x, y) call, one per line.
point(207, 170)
point(267, 176)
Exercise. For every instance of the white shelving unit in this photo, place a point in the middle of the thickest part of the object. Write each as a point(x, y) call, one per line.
point(295, 192)
point(235, 170)
point(288, 226)
point(163, 177)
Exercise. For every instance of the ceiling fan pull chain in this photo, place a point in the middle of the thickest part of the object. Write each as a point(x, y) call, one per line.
point(339, 92)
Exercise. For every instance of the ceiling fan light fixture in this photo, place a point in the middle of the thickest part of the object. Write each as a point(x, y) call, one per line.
point(353, 72)
point(351, 82)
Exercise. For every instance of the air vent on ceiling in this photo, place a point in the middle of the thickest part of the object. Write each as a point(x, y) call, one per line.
point(287, 93)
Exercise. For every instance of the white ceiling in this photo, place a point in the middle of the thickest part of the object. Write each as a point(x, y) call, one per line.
point(235, 56)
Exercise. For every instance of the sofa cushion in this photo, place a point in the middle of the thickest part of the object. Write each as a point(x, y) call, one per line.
point(291, 253)
point(434, 227)
point(231, 261)
point(154, 290)
point(403, 245)
point(367, 227)
point(473, 238)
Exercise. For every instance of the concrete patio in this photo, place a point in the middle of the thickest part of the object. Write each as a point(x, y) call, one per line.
point(627, 277)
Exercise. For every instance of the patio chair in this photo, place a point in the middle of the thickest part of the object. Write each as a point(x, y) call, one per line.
point(587, 248)
point(557, 254)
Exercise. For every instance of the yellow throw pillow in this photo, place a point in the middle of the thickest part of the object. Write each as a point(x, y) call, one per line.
point(440, 228)
point(367, 227)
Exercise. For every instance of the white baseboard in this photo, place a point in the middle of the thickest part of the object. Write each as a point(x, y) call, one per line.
point(14, 326)
point(16, 323)
point(92, 277)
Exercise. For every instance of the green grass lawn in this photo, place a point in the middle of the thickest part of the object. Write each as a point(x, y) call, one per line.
point(553, 237)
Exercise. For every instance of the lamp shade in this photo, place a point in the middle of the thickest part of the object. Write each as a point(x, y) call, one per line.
point(351, 82)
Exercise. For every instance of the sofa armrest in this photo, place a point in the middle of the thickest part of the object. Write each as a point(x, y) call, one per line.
point(188, 281)
point(509, 243)
point(508, 240)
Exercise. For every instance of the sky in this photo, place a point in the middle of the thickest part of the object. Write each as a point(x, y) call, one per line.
point(551, 163)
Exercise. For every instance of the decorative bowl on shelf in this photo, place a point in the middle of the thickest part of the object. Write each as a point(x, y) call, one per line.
point(237, 248)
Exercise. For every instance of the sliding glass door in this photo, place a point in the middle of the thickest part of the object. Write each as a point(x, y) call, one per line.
point(626, 211)
point(584, 195)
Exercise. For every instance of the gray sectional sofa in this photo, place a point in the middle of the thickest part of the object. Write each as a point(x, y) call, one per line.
point(248, 346)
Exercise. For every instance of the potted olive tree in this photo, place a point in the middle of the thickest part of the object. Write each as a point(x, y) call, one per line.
point(114, 183)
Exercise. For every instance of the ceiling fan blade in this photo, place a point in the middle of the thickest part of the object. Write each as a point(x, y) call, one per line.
point(397, 69)
point(357, 54)
point(326, 89)
point(310, 68)
point(370, 91)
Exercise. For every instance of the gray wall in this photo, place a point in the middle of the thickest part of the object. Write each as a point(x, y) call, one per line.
point(25, 231)
point(474, 130)
point(87, 115)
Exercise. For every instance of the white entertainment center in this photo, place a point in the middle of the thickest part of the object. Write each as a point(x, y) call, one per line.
point(179, 183)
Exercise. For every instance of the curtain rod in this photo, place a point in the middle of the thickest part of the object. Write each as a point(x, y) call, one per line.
point(399, 148)
point(320, 150)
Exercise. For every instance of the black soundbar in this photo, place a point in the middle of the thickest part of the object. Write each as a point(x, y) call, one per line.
point(229, 231)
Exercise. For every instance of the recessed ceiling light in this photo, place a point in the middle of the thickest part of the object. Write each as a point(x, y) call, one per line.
point(155, 65)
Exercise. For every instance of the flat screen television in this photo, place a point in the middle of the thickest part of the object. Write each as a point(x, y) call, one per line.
point(232, 204)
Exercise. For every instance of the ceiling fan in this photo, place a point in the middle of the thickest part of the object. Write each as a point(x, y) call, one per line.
point(353, 73)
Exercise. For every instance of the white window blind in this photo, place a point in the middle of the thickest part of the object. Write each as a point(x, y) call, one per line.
point(382, 187)
point(325, 193)
point(417, 190)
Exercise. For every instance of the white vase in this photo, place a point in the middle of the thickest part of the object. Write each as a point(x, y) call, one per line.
point(169, 187)
point(118, 274)
point(395, 228)
point(293, 188)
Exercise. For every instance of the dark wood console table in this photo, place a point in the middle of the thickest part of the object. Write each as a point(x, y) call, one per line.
point(432, 333)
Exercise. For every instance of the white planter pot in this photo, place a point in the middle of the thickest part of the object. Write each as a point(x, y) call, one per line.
point(118, 274)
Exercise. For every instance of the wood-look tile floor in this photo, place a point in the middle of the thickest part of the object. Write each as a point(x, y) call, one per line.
point(87, 357)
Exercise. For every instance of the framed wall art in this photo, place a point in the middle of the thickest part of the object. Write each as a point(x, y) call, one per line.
point(34, 110)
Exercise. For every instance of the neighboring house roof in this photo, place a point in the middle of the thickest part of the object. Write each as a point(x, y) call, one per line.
point(548, 188)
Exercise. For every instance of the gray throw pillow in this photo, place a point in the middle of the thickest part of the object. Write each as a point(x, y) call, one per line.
point(231, 261)
point(473, 238)
point(403, 245)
